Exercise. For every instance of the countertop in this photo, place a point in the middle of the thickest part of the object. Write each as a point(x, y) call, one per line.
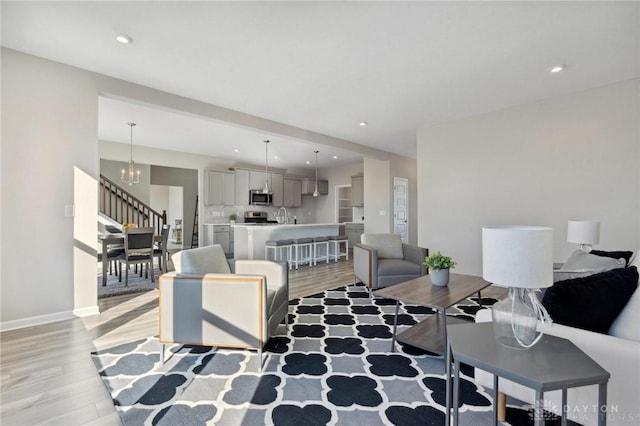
point(271, 226)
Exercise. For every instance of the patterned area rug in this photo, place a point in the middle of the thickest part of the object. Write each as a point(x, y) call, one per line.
point(136, 284)
point(331, 366)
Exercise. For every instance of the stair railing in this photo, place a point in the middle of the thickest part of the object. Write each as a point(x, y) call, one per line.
point(124, 207)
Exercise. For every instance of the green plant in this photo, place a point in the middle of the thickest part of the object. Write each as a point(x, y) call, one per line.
point(233, 216)
point(438, 261)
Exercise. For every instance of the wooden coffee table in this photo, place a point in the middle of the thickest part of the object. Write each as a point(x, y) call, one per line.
point(431, 334)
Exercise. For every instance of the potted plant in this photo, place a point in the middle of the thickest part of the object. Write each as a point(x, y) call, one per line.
point(233, 217)
point(439, 266)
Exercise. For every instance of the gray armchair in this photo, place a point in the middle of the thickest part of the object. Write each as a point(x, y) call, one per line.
point(204, 302)
point(381, 260)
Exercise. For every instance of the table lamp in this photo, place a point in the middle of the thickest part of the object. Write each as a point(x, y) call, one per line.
point(583, 232)
point(520, 258)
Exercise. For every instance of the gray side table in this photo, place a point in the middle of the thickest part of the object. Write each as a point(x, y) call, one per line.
point(553, 363)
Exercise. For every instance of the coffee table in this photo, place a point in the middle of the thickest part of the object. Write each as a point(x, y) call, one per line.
point(553, 363)
point(431, 334)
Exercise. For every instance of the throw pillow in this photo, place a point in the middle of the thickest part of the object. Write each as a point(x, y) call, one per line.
point(591, 303)
point(626, 255)
point(389, 246)
point(581, 261)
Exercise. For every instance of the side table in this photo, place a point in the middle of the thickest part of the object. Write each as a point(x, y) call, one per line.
point(553, 363)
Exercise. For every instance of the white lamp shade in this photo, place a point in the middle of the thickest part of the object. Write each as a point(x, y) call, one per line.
point(583, 232)
point(517, 256)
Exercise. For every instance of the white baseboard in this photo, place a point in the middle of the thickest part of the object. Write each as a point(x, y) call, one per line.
point(37, 320)
point(49, 318)
point(86, 312)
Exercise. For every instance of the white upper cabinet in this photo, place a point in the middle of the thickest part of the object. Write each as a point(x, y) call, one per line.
point(277, 187)
point(257, 179)
point(242, 187)
point(219, 188)
point(292, 189)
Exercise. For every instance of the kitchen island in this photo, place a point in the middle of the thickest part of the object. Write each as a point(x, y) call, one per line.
point(249, 239)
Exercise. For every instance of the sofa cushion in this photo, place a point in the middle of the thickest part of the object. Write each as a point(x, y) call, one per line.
point(202, 260)
point(388, 267)
point(593, 302)
point(627, 324)
point(389, 246)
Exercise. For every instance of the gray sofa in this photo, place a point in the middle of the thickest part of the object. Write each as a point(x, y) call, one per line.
point(380, 260)
point(208, 302)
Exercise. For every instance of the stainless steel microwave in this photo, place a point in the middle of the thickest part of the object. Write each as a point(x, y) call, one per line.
point(259, 198)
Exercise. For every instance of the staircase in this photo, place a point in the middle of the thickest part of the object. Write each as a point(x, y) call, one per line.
point(123, 207)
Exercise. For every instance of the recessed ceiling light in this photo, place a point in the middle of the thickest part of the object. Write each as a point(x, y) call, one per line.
point(363, 123)
point(557, 68)
point(308, 162)
point(335, 157)
point(124, 39)
point(275, 156)
point(236, 150)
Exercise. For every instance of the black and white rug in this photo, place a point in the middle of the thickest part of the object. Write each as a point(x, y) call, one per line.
point(331, 366)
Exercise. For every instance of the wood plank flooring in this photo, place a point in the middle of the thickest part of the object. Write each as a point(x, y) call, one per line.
point(47, 375)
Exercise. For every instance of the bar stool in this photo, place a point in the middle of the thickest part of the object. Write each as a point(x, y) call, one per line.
point(337, 240)
point(278, 246)
point(302, 251)
point(318, 242)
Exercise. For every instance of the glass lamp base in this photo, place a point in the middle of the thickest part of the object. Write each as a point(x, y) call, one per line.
point(515, 320)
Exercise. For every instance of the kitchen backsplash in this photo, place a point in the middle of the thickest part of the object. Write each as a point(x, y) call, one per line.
point(217, 214)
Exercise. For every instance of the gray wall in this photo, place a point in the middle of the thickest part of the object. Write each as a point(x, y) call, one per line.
point(571, 157)
point(188, 180)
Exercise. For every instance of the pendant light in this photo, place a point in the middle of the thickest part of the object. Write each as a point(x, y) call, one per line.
point(133, 176)
point(316, 192)
point(266, 189)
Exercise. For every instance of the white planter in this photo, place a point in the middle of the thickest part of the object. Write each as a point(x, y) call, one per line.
point(440, 277)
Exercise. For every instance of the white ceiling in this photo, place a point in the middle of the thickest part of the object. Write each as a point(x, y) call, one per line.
point(326, 66)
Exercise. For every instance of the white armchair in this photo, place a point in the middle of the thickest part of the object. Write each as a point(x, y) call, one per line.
point(200, 305)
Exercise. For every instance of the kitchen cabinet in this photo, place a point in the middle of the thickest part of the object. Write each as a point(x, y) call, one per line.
point(219, 188)
point(345, 210)
point(292, 189)
point(309, 186)
point(353, 232)
point(357, 191)
point(242, 187)
point(220, 234)
point(258, 178)
point(277, 187)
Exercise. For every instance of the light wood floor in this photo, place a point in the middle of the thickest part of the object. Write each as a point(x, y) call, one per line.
point(48, 377)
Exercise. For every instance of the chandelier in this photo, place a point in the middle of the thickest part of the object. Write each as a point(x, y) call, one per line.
point(133, 176)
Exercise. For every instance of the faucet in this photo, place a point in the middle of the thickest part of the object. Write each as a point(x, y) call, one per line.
point(286, 215)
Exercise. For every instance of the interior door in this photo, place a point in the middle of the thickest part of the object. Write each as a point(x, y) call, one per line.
point(401, 208)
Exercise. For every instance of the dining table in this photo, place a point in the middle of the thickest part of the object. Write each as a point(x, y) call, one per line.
point(111, 239)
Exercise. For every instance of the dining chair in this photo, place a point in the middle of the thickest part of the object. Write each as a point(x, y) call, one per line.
point(138, 249)
point(159, 248)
